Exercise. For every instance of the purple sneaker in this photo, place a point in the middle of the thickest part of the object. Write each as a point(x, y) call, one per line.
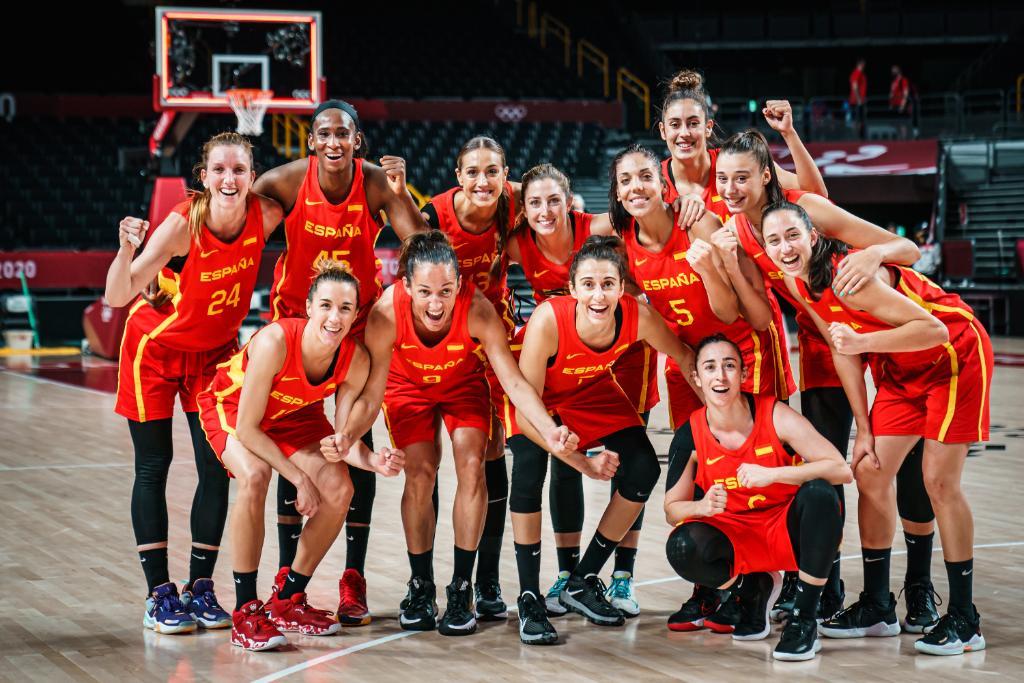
point(201, 603)
point(165, 613)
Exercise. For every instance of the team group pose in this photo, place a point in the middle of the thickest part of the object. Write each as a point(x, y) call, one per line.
point(687, 262)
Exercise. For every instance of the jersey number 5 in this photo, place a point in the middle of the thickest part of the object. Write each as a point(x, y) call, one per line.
point(677, 308)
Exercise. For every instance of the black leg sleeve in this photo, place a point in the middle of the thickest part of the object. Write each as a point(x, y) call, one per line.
point(210, 503)
point(565, 498)
point(154, 450)
point(815, 527)
point(911, 496)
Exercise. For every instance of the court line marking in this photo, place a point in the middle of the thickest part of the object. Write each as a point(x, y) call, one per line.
point(83, 466)
point(302, 666)
point(43, 380)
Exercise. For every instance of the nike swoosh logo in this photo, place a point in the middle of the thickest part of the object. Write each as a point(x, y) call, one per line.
point(289, 502)
point(712, 461)
point(408, 346)
point(238, 581)
point(289, 577)
point(966, 572)
point(873, 559)
point(639, 262)
point(575, 554)
point(539, 273)
point(350, 538)
point(600, 544)
point(575, 592)
point(309, 203)
point(573, 355)
point(411, 621)
point(536, 553)
point(294, 536)
point(204, 254)
point(199, 557)
point(142, 560)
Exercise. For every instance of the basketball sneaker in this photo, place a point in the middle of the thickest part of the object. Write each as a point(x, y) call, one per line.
point(251, 630)
point(784, 605)
point(459, 619)
point(586, 596)
point(420, 612)
point(621, 595)
point(165, 613)
point(352, 609)
point(728, 614)
point(282, 576)
point(296, 615)
point(201, 602)
point(534, 627)
point(799, 641)
point(955, 634)
point(921, 601)
point(691, 615)
point(489, 604)
point(551, 603)
point(831, 602)
point(866, 617)
point(757, 593)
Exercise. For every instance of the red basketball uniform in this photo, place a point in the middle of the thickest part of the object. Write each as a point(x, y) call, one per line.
point(636, 370)
point(578, 386)
point(713, 202)
point(446, 376)
point(939, 393)
point(174, 349)
point(676, 291)
point(315, 229)
point(754, 519)
point(294, 416)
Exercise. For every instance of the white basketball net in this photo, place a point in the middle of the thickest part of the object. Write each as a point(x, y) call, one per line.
point(250, 106)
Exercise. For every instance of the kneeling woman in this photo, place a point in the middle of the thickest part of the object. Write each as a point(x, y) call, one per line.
point(570, 345)
point(762, 509)
point(263, 412)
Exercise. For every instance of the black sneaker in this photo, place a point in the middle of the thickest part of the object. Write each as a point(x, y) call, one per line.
point(586, 596)
point(489, 605)
point(799, 641)
point(866, 617)
point(534, 627)
point(459, 618)
point(757, 593)
point(784, 605)
point(693, 613)
point(955, 634)
point(420, 611)
point(727, 615)
point(921, 601)
point(831, 602)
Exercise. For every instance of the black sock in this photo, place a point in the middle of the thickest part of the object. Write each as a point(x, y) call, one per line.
point(355, 551)
point(625, 559)
point(876, 573)
point(245, 588)
point(422, 565)
point(919, 556)
point(568, 558)
point(201, 562)
point(295, 583)
point(807, 597)
point(598, 552)
point(528, 562)
point(833, 584)
point(154, 564)
point(287, 543)
point(464, 561)
point(961, 586)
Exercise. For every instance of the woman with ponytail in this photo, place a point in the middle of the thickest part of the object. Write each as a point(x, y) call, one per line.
point(747, 182)
point(206, 254)
point(932, 365)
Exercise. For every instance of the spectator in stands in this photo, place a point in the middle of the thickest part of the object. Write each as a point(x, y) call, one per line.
point(931, 255)
point(578, 204)
point(901, 101)
point(858, 97)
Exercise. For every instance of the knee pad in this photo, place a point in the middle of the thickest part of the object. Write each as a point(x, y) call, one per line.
point(638, 474)
point(912, 499)
point(529, 469)
point(681, 551)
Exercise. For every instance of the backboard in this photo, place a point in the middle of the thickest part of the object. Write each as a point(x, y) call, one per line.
point(203, 52)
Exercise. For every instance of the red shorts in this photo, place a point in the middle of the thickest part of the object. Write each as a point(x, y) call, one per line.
point(291, 433)
point(946, 400)
point(817, 369)
point(760, 538)
point(150, 375)
point(636, 371)
point(782, 369)
point(409, 409)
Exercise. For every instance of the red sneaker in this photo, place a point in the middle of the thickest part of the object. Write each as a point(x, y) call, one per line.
point(352, 609)
point(282, 575)
point(295, 614)
point(251, 630)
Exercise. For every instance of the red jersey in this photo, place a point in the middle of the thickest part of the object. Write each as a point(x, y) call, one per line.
point(315, 229)
point(546, 277)
point(212, 293)
point(858, 87)
point(717, 464)
point(291, 389)
point(713, 202)
point(455, 358)
point(476, 252)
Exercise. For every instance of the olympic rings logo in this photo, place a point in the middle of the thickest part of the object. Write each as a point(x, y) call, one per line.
point(510, 113)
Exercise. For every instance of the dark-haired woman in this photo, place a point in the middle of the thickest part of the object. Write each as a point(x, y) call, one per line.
point(172, 349)
point(762, 509)
point(570, 346)
point(427, 336)
point(263, 412)
point(747, 182)
point(546, 236)
point(932, 363)
point(333, 201)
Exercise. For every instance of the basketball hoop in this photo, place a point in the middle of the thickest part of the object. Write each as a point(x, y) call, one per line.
point(249, 105)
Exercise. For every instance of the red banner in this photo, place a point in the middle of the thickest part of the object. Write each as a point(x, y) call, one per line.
point(892, 157)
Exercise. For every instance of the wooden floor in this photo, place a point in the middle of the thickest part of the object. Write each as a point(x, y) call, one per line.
point(72, 590)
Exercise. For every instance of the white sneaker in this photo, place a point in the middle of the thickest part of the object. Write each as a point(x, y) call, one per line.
point(620, 594)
